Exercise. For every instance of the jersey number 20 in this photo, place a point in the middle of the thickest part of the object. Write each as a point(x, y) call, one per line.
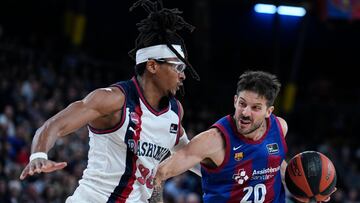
point(259, 191)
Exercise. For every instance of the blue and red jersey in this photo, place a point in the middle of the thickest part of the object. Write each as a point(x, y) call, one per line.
point(250, 172)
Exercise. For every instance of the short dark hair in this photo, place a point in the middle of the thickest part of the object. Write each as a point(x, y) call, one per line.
point(160, 27)
point(263, 83)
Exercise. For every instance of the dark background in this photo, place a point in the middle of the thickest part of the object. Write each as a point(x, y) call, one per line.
point(230, 38)
point(317, 54)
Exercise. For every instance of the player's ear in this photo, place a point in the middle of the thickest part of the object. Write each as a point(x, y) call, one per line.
point(151, 66)
point(235, 100)
point(269, 111)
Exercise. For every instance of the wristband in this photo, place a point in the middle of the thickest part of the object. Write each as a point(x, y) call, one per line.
point(37, 155)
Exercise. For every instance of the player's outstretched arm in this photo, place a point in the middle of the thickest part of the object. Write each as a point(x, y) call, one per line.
point(204, 145)
point(97, 104)
point(157, 195)
point(184, 140)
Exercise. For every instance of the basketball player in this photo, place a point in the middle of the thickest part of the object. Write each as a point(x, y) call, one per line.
point(242, 154)
point(132, 124)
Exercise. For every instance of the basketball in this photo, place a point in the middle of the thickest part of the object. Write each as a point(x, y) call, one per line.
point(311, 175)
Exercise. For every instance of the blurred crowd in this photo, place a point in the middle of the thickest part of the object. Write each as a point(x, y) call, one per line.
point(34, 85)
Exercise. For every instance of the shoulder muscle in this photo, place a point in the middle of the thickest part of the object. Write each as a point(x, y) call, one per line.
point(105, 100)
point(284, 125)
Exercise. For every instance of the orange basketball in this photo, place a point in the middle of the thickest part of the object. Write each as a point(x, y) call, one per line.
point(310, 175)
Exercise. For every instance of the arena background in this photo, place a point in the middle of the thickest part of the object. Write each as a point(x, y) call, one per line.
point(54, 52)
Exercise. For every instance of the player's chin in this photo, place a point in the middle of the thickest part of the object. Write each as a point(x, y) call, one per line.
point(244, 130)
point(176, 89)
point(172, 92)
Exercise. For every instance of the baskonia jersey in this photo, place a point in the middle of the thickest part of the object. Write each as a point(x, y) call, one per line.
point(122, 161)
point(250, 172)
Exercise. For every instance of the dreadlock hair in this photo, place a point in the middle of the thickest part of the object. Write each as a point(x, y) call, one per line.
point(160, 28)
point(260, 82)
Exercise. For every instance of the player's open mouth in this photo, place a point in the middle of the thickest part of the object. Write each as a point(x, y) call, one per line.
point(178, 86)
point(245, 122)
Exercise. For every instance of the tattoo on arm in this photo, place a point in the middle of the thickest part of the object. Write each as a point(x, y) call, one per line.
point(157, 195)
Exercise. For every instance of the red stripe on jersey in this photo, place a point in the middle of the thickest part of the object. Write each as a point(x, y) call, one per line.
point(129, 187)
point(227, 151)
point(273, 162)
point(239, 190)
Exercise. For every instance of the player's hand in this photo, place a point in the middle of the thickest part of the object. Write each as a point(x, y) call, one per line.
point(301, 199)
point(328, 197)
point(307, 200)
point(41, 165)
point(157, 182)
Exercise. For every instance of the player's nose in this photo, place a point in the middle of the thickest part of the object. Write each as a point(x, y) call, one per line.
point(246, 111)
point(182, 76)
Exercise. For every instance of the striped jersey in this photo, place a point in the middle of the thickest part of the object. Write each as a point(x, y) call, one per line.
point(250, 172)
point(122, 161)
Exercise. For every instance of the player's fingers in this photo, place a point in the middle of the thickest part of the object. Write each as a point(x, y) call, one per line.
point(24, 173)
point(31, 169)
point(47, 165)
point(302, 199)
point(53, 166)
point(60, 165)
point(328, 198)
point(38, 165)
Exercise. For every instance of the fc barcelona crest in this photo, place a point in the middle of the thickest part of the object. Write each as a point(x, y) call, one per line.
point(238, 156)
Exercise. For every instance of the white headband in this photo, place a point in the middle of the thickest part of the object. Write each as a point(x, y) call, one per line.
point(157, 52)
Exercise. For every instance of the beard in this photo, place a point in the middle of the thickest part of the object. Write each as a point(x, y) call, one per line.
point(180, 92)
point(252, 128)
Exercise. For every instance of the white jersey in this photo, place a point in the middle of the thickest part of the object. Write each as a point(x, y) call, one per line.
point(122, 161)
